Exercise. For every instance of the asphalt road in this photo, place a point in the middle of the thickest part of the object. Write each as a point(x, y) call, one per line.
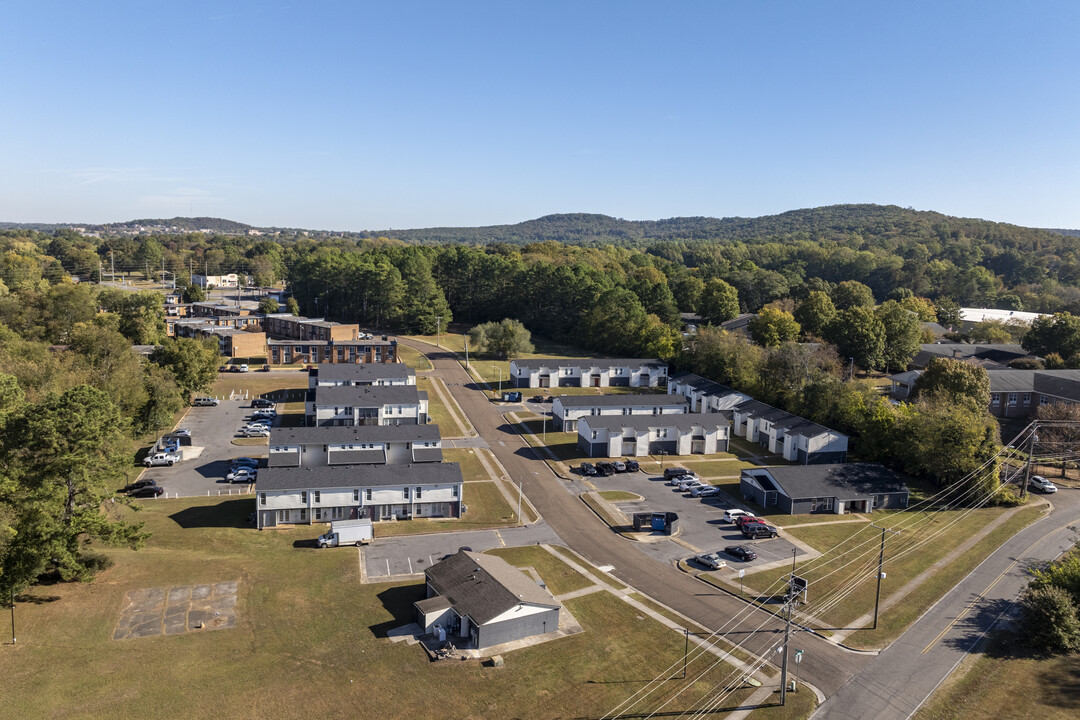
point(582, 531)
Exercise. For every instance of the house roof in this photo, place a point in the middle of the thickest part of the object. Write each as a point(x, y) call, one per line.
point(368, 395)
point(700, 384)
point(363, 372)
point(1059, 383)
point(621, 400)
point(537, 364)
point(995, 353)
point(906, 378)
point(484, 586)
point(683, 421)
point(842, 481)
point(353, 434)
point(318, 477)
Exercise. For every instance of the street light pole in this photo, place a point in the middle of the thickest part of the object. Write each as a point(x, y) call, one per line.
point(13, 616)
point(1027, 468)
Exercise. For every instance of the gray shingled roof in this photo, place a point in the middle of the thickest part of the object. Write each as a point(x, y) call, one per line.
point(484, 586)
point(353, 434)
point(628, 400)
point(363, 372)
point(353, 476)
point(427, 454)
point(700, 384)
point(1058, 383)
point(368, 395)
point(1001, 353)
point(357, 457)
point(536, 364)
point(683, 421)
point(843, 481)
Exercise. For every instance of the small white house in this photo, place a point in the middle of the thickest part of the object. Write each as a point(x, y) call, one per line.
point(305, 495)
point(354, 445)
point(567, 410)
point(794, 438)
point(367, 405)
point(705, 396)
point(578, 372)
point(640, 435)
point(229, 280)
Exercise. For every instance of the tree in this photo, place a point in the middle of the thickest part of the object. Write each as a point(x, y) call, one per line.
point(193, 363)
point(948, 313)
point(859, 334)
point(1056, 334)
point(292, 307)
point(719, 302)
point(504, 339)
point(950, 442)
point(902, 334)
point(269, 306)
point(852, 293)
point(773, 326)
point(193, 294)
point(990, 331)
point(815, 313)
point(1048, 619)
point(957, 381)
point(921, 307)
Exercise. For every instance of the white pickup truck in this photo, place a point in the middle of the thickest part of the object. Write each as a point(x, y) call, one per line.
point(161, 458)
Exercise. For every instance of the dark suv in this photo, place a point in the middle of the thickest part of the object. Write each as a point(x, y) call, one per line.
point(675, 472)
point(756, 530)
point(262, 403)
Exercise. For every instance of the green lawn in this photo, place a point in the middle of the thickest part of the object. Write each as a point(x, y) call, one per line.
point(1006, 681)
point(437, 410)
point(309, 641)
point(471, 468)
point(276, 387)
point(899, 569)
point(559, 577)
point(619, 496)
point(573, 556)
point(562, 444)
point(413, 358)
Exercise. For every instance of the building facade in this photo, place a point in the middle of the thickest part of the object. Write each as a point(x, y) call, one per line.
point(567, 410)
point(578, 372)
point(641, 435)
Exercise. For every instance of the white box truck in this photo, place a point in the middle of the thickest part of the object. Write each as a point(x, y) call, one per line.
point(347, 532)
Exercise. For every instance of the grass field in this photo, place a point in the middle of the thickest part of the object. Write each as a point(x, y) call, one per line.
point(413, 358)
point(1005, 681)
point(309, 641)
point(949, 528)
point(558, 576)
point(274, 386)
point(440, 414)
point(620, 496)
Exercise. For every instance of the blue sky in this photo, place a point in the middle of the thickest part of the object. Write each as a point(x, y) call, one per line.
point(364, 116)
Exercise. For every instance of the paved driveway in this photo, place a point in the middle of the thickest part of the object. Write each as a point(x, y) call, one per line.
point(412, 554)
point(701, 520)
point(212, 432)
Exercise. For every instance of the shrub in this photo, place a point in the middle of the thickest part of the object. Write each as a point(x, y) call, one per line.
point(1048, 619)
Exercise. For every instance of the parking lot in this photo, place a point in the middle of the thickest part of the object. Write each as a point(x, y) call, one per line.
point(412, 554)
point(206, 460)
point(701, 522)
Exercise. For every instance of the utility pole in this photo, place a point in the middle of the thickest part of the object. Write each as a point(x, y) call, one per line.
point(12, 615)
point(880, 574)
point(1027, 468)
point(112, 259)
point(466, 354)
point(519, 504)
point(438, 330)
point(791, 599)
point(686, 650)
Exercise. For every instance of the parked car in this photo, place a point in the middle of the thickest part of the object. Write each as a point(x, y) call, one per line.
point(631, 465)
point(245, 461)
point(182, 432)
point(262, 403)
point(242, 368)
point(759, 530)
point(146, 491)
point(676, 479)
point(537, 399)
point(549, 399)
point(603, 469)
point(243, 475)
point(1038, 482)
point(255, 427)
point(138, 484)
point(161, 458)
point(733, 514)
point(710, 560)
point(587, 469)
point(741, 553)
point(255, 432)
point(205, 402)
point(703, 490)
point(674, 472)
point(748, 518)
point(619, 465)
point(688, 485)
point(264, 413)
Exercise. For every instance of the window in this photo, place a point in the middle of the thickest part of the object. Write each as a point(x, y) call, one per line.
point(418, 491)
point(1012, 398)
point(318, 513)
point(262, 498)
point(995, 399)
point(593, 435)
point(303, 514)
point(367, 494)
point(318, 495)
point(1043, 400)
point(454, 491)
point(405, 493)
point(356, 496)
point(303, 496)
point(1027, 399)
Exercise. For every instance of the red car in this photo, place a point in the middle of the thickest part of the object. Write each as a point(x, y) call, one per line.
point(743, 519)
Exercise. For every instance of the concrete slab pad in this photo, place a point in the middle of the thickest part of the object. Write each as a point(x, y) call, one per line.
point(177, 610)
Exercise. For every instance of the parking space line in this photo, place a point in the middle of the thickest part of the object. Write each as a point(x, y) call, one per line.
point(387, 566)
point(410, 565)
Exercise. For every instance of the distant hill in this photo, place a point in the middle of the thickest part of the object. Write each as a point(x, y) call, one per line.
point(1061, 231)
point(186, 224)
point(834, 222)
